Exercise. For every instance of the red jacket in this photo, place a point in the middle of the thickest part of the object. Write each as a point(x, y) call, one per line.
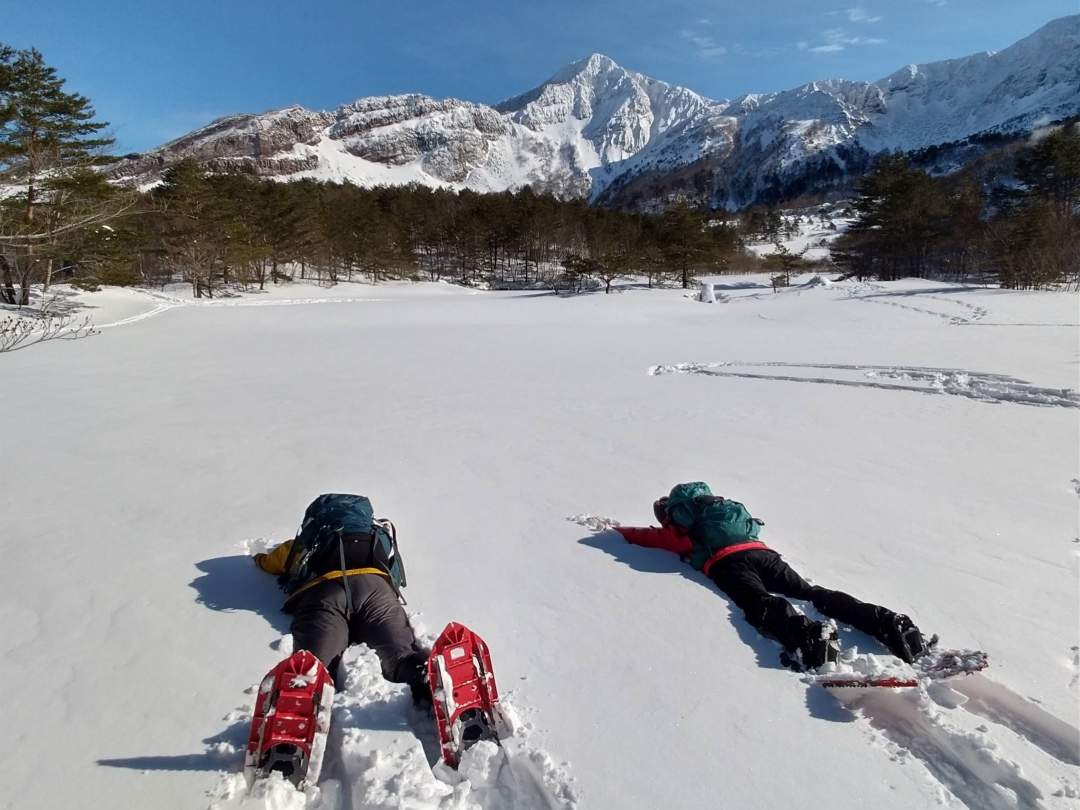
point(672, 538)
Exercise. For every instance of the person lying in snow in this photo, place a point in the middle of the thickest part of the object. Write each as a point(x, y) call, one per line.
point(342, 574)
point(719, 537)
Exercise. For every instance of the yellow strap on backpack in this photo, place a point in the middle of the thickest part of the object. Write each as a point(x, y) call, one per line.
point(338, 575)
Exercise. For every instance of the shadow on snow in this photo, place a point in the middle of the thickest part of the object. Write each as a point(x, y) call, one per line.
point(232, 584)
point(220, 754)
point(819, 702)
point(225, 584)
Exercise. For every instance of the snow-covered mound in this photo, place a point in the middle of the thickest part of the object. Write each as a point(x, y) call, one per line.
point(914, 443)
point(597, 129)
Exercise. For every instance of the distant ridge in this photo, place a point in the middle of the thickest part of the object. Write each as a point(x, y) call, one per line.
point(598, 130)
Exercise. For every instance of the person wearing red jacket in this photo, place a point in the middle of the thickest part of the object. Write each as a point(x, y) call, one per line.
point(757, 579)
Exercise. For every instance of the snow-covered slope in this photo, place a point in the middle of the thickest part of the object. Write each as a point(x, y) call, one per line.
point(914, 443)
point(1033, 82)
point(826, 131)
point(597, 129)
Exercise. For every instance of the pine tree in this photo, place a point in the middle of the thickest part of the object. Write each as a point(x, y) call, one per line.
point(1041, 233)
point(899, 215)
point(49, 144)
point(1051, 169)
point(192, 227)
point(685, 243)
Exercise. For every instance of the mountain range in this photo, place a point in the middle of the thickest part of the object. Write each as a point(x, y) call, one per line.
point(598, 130)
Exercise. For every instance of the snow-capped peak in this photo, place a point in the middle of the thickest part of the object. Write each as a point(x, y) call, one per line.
point(592, 65)
point(617, 110)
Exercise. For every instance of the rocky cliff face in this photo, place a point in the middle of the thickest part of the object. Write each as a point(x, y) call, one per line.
point(446, 138)
point(599, 130)
point(252, 144)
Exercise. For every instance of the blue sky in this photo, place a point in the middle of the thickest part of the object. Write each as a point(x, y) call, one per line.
point(156, 70)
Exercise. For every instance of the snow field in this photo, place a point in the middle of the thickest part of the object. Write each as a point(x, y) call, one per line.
point(142, 456)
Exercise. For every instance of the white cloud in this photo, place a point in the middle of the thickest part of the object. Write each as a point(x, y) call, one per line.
point(707, 47)
point(837, 39)
point(858, 14)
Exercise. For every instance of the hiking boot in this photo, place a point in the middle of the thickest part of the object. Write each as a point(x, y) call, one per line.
point(413, 671)
point(819, 646)
point(421, 696)
point(903, 638)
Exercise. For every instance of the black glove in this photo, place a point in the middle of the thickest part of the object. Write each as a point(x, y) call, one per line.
point(659, 509)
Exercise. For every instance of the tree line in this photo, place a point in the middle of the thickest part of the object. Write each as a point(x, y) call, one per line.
point(1018, 225)
point(217, 230)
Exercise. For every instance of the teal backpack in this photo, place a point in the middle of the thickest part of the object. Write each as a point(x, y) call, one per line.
point(714, 523)
point(337, 529)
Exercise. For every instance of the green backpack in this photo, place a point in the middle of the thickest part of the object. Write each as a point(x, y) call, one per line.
point(714, 523)
point(320, 545)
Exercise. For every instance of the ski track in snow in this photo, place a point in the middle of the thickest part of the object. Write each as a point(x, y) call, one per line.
point(168, 302)
point(976, 385)
point(1001, 705)
point(965, 763)
point(940, 727)
point(380, 754)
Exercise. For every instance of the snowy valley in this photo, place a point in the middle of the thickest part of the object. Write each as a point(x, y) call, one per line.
point(850, 307)
point(912, 442)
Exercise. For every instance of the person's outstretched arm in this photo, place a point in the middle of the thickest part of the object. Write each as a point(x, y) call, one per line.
point(273, 562)
point(667, 538)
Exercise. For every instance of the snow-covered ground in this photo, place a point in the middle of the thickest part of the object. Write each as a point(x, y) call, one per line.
point(914, 443)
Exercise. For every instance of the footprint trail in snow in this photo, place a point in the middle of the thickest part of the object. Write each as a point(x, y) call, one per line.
point(996, 388)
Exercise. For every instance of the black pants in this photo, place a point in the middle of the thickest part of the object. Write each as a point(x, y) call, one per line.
point(752, 578)
point(323, 624)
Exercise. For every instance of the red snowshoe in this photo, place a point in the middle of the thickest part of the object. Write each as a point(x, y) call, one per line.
point(936, 665)
point(464, 695)
point(291, 721)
